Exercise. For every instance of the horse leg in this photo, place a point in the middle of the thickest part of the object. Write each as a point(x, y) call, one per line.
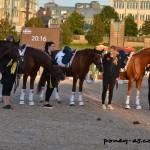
point(42, 94)
point(56, 95)
point(129, 93)
point(31, 93)
point(73, 92)
point(80, 98)
point(138, 85)
point(22, 96)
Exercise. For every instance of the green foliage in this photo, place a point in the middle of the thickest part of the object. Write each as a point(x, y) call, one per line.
point(146, 28)
point(34, 22)
point(76, 21)
point(95, 34)
point(130, 26)
point(66, 33)
point(6, 29)
point(80, 46)
point(106, 15)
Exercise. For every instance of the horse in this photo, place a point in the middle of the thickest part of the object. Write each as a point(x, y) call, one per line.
point(32, 60)
point(135, 72)
point(79, 67)
point(10, 49)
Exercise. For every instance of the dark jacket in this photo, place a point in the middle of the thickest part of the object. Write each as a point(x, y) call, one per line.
point(110, 68)
point(4, 62)
point(46, 72)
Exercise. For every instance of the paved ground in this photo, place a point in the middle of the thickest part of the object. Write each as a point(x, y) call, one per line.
point(77, 128)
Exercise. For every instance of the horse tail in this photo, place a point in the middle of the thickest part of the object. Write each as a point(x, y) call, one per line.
point(41, 83)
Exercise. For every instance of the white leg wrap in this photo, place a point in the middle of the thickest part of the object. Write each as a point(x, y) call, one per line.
point(80, 99)
point(138, 100)
point(42, 94)
point(31, 102)
point(72, 99)
point(22, 97)
point(56, 95)
point(127, 102)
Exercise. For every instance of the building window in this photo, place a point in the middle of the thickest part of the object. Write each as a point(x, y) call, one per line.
point(128, 5)
point(141, 17)
point(63, 12)
point(141, 5)
point(136, 5)
point(53, 12)
point(44, 12)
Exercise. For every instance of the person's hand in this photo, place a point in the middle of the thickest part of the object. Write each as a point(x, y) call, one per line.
point(117, 79)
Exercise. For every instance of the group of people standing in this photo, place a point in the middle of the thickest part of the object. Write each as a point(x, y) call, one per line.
point(111, 71)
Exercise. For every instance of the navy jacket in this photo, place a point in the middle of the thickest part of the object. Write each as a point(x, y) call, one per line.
point(111, 69)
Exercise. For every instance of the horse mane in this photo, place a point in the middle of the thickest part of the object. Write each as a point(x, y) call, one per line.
point(86, 51)
point(4, 43)
point(141, 50)
point(37, 51)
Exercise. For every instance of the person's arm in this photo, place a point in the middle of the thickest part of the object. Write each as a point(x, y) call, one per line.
point(118, 66)
point(104, 60)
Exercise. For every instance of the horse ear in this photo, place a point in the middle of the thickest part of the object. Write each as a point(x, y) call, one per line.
point(98, 52)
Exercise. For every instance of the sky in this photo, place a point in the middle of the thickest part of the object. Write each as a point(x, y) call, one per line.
point(71, 2)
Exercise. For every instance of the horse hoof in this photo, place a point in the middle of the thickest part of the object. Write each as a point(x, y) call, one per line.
point(72, 104)
point(31, 103)
point(127, 107)
point(138, 107)
point(59, 101)
point(81, 103)
point(21, 103)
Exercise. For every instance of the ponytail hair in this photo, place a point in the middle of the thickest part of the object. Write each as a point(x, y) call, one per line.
point(47, 44)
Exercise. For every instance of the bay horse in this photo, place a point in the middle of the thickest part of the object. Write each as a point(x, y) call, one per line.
point(79, 67)
point(135, 72)
point(32, 60)
point(10, 49)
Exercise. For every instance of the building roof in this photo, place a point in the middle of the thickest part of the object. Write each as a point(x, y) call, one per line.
point(89, 12)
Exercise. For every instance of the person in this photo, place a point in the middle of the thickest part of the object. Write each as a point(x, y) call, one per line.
point(49, 47)
point(8, 76)
point(111, 66)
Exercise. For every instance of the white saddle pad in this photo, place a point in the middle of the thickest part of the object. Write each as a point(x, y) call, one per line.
point(23, 50)
point(59, 57)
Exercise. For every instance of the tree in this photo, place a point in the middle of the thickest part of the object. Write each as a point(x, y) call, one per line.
point(34, 22)
point(106, 15)
point(66, 33)
point(77, 23)
point(130, 26)
point(146, 28)
point(95, 34)
point(6, 28)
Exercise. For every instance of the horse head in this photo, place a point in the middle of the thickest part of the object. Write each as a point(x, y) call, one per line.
point(97, 59)
point(8, 48)
point(58, 72)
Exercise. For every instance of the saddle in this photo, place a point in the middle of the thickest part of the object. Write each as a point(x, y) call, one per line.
point(68, 54)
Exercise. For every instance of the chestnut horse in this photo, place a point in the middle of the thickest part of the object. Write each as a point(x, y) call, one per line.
point(135, 72)
point(32, 60)
point(79, 67)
